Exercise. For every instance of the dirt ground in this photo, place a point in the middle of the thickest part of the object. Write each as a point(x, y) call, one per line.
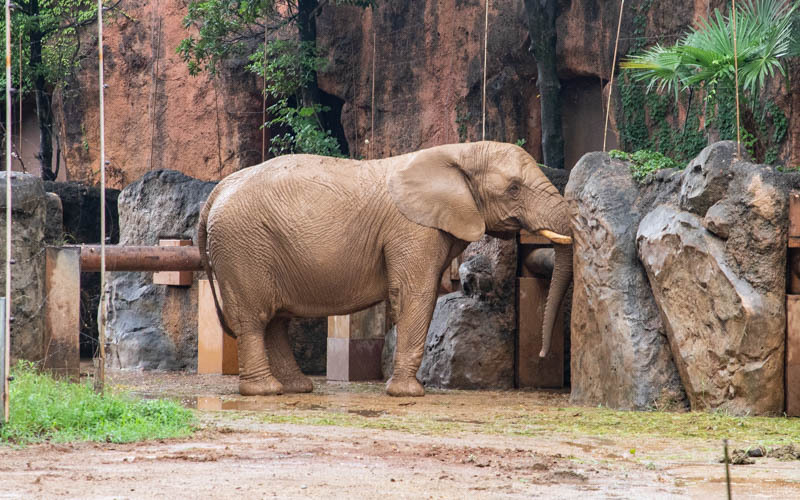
point(352, 441)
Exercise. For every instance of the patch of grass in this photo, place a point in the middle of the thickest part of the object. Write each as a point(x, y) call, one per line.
point(45, 409)
point(574, 421)
point(644, 162)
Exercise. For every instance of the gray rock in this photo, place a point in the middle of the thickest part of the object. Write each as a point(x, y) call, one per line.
point(309, 340)
point(718, 220)
point(706, 178)
point(155, 326)
point(81, 211)
point(28, 225)
point(620, 354)
point(470, 342)
point(54, 228)
point(722, 300)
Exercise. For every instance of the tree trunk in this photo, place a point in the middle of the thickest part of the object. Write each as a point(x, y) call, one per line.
point(307, 30)
point(43, 111)
point(542, 28)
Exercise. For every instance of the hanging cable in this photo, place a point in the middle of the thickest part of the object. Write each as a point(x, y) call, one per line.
point(264, 101)
point(99, 381)
point(19, 94)
point(372, 112)
point(7, 333)
point(736, 82)
point(613, 68)
point(485, 52)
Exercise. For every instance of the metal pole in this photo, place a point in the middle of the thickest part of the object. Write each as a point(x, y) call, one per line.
point(7, 319)
point(736, 80)
point(611, 78)
point(99, 381)
point(485, 52)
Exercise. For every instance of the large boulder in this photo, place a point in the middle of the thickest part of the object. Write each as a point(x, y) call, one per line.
point(155, 326)
point(620, 353)
point(29, 208)
point(470, 341)
point(717, 274)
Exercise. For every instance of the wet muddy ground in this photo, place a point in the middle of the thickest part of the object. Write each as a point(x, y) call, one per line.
point(352, 441)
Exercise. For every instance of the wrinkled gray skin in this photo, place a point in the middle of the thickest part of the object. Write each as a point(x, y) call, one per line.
point(313, 236)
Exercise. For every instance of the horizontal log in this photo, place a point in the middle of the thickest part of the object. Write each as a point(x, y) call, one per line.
point(141, 258)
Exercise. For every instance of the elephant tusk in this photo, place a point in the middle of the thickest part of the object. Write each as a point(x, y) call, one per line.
point(555, 237)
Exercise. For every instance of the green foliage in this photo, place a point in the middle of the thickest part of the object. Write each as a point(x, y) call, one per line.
point(521, 142)
point(289, 67)
point(705, 55)
point(57, 24)
point(230, 29)
point(45, 409)
point(645, 162)
point(703, 62)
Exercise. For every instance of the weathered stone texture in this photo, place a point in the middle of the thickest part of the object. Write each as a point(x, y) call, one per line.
point(28, 228)
point(721, 292)
point(155, 326)
point(620, 354)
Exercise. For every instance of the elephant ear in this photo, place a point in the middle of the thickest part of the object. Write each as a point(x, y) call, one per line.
point(432, 191)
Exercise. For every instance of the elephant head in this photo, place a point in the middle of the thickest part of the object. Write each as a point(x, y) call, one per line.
point(469, 189)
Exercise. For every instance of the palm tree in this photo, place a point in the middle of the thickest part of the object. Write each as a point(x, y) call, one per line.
point(704, 58)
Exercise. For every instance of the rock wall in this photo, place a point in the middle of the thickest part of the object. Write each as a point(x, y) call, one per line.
point(428, 80)
point(30, 229)
point(679, 284)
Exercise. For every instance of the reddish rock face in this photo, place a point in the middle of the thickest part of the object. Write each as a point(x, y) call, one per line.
point(428, 83)
point(156, 115)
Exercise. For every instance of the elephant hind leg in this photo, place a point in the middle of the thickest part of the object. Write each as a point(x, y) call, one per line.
point(255, 372)
point(281, 357)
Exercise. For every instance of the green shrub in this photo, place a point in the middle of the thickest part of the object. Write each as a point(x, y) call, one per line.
point(45, 409)
point(644, 162)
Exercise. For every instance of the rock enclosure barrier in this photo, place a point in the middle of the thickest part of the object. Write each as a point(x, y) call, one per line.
point(680, 284)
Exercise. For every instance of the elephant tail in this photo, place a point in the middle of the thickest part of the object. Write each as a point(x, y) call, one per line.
point(202, 241)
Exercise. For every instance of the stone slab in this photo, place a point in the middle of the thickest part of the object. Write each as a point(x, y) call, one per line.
point(216, 351)
point(62, 312)
point(174, 278)
point(793, 355)
point(533, 371)
point(354, 359)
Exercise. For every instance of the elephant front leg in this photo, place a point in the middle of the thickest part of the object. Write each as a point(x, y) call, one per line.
point(413, 319)
point(255, 374)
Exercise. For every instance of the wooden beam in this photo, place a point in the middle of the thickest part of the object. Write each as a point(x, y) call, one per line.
point(141, 258)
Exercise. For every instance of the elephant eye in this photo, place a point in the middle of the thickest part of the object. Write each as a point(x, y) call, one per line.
point(513, 190)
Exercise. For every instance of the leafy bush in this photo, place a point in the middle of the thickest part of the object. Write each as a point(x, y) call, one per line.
point(45, 409)
point(644, 162)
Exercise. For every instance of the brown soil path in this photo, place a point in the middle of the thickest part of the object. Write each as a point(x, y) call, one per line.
point(366, 445)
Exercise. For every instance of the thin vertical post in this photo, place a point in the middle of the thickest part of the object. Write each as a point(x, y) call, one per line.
point(264, 101)
point(485, 53)
point(19, 94)
point(736, 81)
point(372, 112)
point(99, 381)
point(7, 320)
point(613, 69)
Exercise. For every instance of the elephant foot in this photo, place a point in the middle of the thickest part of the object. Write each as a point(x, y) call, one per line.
point(262, 387)
point(404, 387)
point(297, 383)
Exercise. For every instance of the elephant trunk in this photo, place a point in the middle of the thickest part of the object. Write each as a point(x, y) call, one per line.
point(562, 275)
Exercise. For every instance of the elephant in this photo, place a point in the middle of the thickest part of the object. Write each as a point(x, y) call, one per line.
point(312, 236)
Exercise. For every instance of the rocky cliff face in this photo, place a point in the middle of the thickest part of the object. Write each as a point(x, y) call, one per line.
point(428, 83)
point(157, 116)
